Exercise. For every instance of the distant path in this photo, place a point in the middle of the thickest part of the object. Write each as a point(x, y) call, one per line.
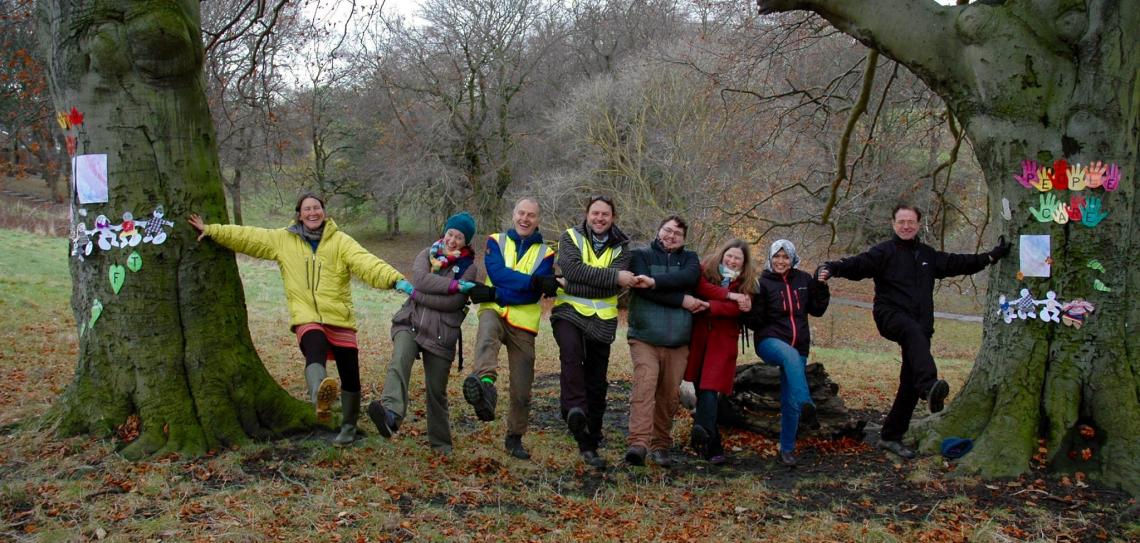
point(937, 314)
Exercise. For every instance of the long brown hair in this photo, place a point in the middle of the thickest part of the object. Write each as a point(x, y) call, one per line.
point(748, 274)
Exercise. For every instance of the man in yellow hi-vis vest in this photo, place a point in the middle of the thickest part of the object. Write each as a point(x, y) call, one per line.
point(593, 260)
point(520, 269)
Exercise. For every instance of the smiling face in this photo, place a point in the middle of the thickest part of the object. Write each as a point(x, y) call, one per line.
point(733, 259)
point(671, 235)
point(600, 217)
point(454, 240)
point(311, 214)
point(526, 217)
point(906, 224)
point(781, 262)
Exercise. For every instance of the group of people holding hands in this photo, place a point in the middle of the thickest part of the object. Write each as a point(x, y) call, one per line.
point(684, 317)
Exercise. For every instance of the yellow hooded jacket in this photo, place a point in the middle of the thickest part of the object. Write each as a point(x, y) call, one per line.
point(317, 284)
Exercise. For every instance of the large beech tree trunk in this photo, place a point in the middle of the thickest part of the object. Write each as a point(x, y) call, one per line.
point(172, 346)
point(1036, 80)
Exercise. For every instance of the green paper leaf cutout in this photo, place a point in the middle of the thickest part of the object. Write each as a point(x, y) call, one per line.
point(1099, 285)
point(117, 274)
point(1096, 265)
point(96, 310)
point(134, 262)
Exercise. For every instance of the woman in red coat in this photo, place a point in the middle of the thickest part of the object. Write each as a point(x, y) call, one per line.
point(727, 283)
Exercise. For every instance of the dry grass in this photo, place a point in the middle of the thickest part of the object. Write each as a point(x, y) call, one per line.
point(54, 489)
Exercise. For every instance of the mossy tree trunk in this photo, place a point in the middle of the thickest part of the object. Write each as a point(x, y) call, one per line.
point(1043, 81)
point(172, 346)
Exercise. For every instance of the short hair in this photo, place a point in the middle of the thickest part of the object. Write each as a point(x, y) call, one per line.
point(527, 199)
point(901, 207)
point(684, 226)
point(302, 198)
point(603, 199)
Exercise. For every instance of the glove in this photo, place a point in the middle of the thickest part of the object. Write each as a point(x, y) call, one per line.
point(482, 294)
point(465, 286)
point(405, 287)
point(546, 284)
point(1000, 251)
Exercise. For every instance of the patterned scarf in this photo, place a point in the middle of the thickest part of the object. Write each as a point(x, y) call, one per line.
point(727, 275)
point(441, 258)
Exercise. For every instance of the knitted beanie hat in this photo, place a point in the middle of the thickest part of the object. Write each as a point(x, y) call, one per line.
point(463, 222)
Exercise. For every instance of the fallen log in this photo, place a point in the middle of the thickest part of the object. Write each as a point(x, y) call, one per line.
point(755, 403)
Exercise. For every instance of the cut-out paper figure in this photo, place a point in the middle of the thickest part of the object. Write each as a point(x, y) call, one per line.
point(117, 274)
point(1060, 174)
point(134, 261)
point(1044, 213)
point(1099, 285)
point(1094, 177)
point(81, 245)
point(1061, 213)
point(1077, 177)
point(1025, 306)
point(1051, 308)
point(1076, 201)
point(1005, 211)
point(105, 231)
point(1075, 312)
point(1091, 212)
point(1006, 310)
point(1028, 177)
point(152, 227)
point(1096, 265)
point(1044, 179)
point(1112, 178)
point(129, 234)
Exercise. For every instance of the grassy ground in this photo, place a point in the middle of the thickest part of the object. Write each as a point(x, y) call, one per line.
point(301, 488)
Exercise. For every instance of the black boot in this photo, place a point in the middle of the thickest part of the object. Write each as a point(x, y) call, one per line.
point(386, 421)
point(482, 396)
point(514, 445)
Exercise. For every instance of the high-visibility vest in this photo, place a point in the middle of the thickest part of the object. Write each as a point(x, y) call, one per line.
point(524, 316)
point(604, 308)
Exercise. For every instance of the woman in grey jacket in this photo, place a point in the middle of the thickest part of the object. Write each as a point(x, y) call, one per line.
point(427, 325)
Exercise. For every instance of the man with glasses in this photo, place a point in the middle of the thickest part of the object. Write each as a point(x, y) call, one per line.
point(904, 270)
point(593, 260)
point(660, 324)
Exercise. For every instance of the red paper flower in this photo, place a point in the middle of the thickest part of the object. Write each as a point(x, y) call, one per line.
point(75, 118)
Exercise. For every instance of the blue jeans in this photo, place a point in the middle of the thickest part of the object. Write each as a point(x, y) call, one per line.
point(793, 386)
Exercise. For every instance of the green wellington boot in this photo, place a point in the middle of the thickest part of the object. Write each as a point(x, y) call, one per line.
point(350, 412)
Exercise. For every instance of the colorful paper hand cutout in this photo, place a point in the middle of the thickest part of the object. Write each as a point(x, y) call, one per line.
point(1044, 179)
point(117, 274)
point(61, 118)
point(1005, 211)
point(1061, 214)
point(1096, 265)
point(1099, 285)
point(1044, 213)
point(96, 310)
point(1060, 174)
point(1112, 178)
point(1091, 212)
point(1075, 204)
point(1028, 177)
point(1077, 177)
point(1094, 178)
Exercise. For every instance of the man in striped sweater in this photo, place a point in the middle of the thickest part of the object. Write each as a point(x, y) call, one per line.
point(593, 260)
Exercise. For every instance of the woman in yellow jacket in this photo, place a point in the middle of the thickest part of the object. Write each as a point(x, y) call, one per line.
point(316, 260)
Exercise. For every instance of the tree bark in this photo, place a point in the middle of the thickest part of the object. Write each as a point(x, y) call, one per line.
point(1042, 81)
point(172, 346)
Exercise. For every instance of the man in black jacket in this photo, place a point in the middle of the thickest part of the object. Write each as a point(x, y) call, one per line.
point(904, 270)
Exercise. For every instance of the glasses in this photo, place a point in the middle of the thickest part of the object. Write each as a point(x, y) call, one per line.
point(672, 232)
point(906, 223)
